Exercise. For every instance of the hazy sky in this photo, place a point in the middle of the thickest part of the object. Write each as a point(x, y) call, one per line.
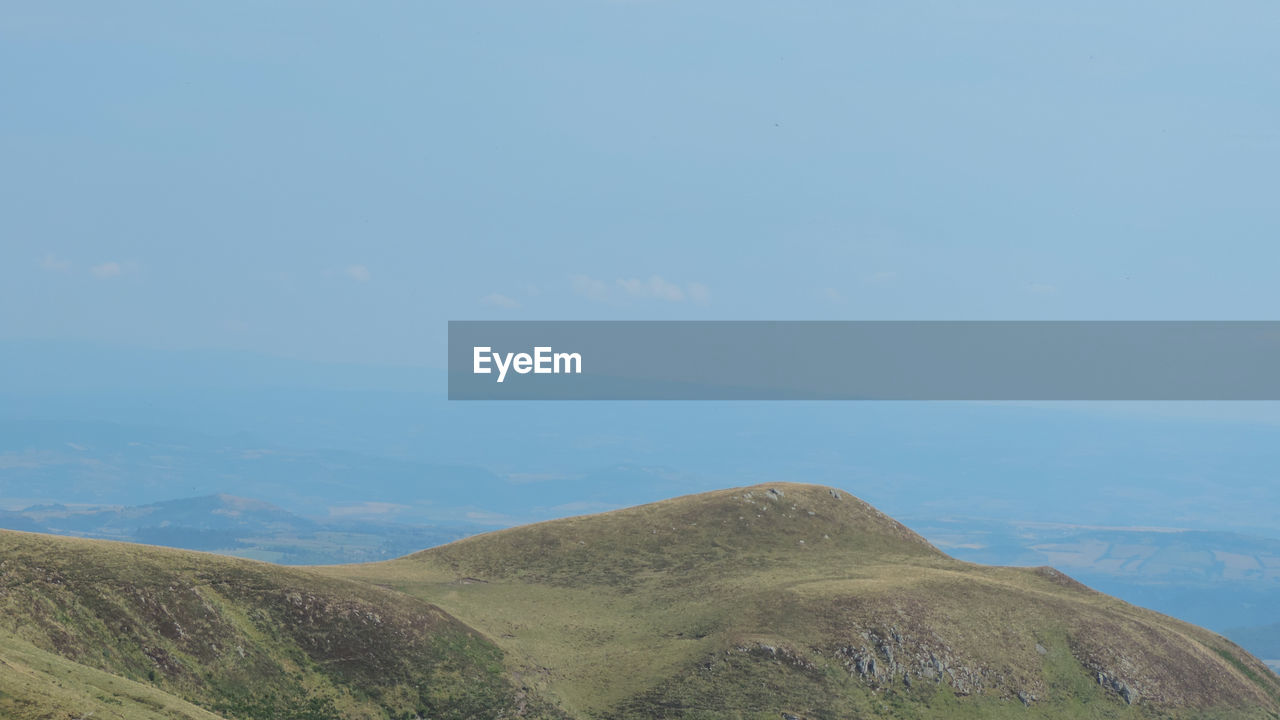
point(335, 181)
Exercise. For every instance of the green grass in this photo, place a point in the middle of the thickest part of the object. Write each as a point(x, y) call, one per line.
point(746, 603)
point(35, 683)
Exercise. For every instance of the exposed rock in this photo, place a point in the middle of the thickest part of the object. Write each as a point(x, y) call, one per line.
point(783, 654)
point(1126, 691)
point(891, 654)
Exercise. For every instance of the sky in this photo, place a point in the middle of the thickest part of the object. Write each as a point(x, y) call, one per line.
point(332, 182)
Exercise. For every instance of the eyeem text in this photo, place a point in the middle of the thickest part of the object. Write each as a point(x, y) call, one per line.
point(542, 362)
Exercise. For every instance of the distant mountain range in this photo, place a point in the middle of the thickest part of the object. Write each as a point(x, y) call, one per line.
point(109, 464)
point(237, 526)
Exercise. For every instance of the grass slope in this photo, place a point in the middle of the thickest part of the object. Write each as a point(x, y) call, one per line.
point(39, 684)
point(139, 630)
point(796, 600)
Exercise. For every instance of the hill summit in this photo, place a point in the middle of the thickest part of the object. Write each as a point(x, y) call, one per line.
point(804, 600)
point(702, 534)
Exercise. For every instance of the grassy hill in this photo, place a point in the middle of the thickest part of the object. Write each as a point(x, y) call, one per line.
point(776, 601)
point(799, 600)
point(137, 632)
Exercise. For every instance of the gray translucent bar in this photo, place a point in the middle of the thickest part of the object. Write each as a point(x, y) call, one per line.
point(916, 360)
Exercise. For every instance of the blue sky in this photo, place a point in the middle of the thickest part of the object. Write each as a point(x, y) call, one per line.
point(332, 182)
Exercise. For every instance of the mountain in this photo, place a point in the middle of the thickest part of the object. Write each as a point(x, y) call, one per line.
point(797, 600)
point(772, 601)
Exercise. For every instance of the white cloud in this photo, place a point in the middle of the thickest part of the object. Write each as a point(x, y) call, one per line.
point(884, 277)
point(833, 296)
point(498, 300)
point(53, 263)
point(655, 287)
point(359, 273)
point(1040, 288)
point(108, 269)
point(589, 287)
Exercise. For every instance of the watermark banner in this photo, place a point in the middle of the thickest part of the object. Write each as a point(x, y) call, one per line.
point(864, 360)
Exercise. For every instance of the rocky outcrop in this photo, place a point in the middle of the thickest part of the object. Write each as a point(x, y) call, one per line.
point(890, 656)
